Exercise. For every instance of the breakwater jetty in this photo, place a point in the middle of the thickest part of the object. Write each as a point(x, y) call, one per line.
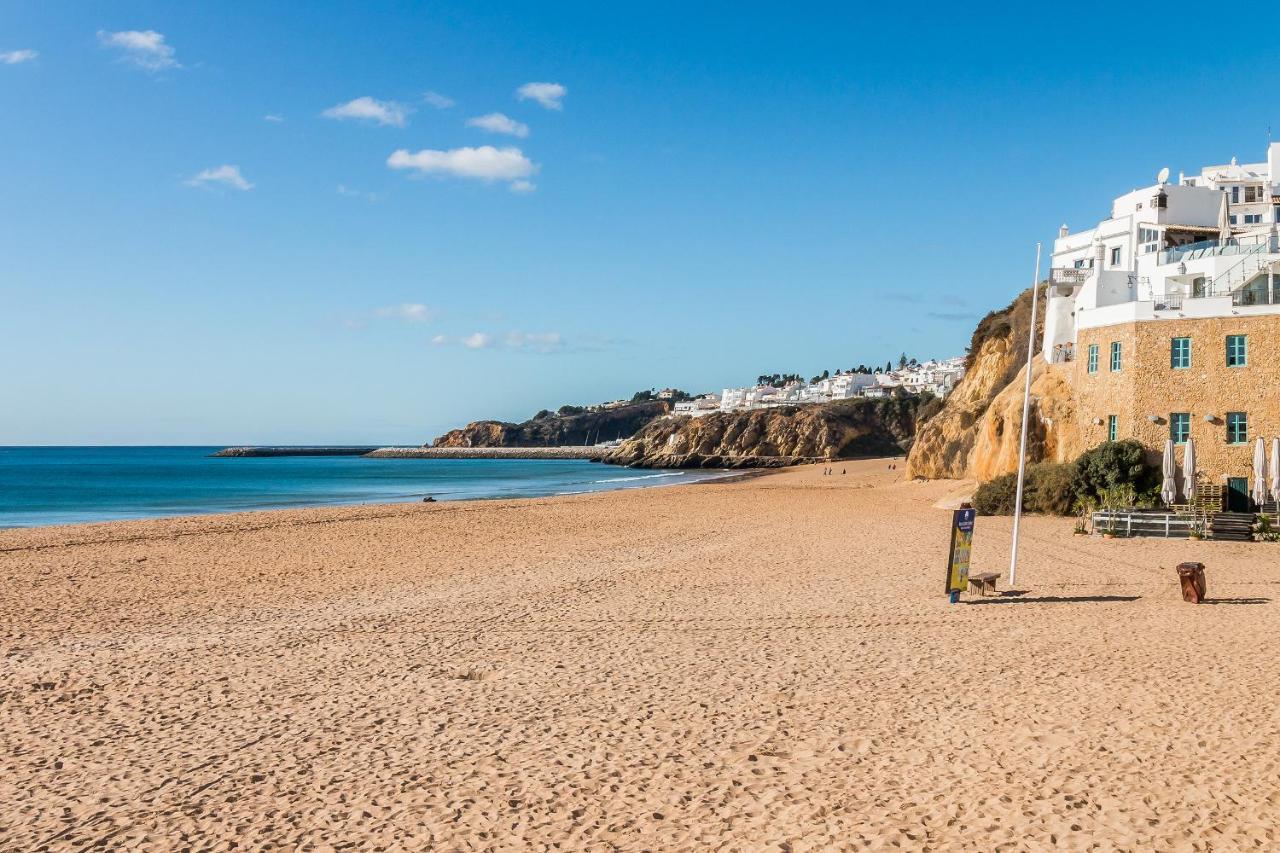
point(489, 452)
point(294, 451)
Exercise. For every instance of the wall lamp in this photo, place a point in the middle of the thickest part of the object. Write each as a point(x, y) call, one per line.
point(1097, 421)
point(1213, 419)
point(1155, 419)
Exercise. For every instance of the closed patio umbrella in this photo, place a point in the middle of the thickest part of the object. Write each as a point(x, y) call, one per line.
point(1224, 220)
point(1259, 493)
point(1169, 489)
point(1275, 469)
point(1189, 470)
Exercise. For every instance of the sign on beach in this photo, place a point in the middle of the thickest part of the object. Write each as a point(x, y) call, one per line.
point(961, 546)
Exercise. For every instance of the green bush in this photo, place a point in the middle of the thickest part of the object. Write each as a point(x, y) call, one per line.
point(1115, 464)
point(1051, 488)
point(1111, 473)
point(996, 496)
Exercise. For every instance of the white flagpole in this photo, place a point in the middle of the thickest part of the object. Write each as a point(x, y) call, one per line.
point(1026, 411)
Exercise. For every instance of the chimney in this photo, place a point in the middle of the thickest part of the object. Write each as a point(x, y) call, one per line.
point(1063, 231)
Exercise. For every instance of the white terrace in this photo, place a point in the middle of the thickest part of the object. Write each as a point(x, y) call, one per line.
point(1207, 246)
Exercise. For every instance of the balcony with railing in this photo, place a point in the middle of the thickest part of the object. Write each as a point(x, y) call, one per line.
point(1217, 248)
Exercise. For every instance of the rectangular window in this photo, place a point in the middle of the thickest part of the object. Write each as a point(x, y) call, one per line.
point(1115, 355)
point(1115, 256)
point(1232, 219)
point(1112, 427)
point(1252, 194)
point(1180, 354)
point(1237, 428)
point(1093, 358)
point(1252, 218)
point(1235, 195)
point(1180, 427)
point(1237, 350)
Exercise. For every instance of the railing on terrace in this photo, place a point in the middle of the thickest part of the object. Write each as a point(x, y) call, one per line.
point(1258, 293)
point(1069, 275)
point(1214, 248)
point(1242, 271)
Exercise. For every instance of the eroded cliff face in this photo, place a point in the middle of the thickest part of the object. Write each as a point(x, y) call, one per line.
point(774, 437)
point(556, 430)
point(976, 433)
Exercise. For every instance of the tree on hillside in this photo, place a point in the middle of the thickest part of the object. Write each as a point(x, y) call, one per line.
point(902, 361)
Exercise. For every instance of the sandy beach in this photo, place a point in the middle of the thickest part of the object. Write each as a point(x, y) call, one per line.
point(761, 664)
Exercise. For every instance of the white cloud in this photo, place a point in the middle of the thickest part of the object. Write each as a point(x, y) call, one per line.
point(522, 186)
point(143, 48)
point(539, 342)
point(499, 123)
point(272, 117)
point(15, 57)
point(370, 109)
point(485, 163)
point(437, 100)
point(475, 340)
point(345, 190)
point(411, 312)
point(227, 176)
point(547, 94)
point(535, 341)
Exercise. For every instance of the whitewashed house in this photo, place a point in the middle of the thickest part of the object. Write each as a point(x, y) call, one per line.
point(1206, 246)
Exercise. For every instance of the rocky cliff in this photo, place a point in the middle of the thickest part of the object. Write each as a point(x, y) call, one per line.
point(775, 437)
point(556, 430)
point(976, 433)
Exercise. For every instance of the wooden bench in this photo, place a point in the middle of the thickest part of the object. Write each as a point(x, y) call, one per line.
point(985, 582)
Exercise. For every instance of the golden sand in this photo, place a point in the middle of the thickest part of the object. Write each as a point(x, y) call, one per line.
point(766, 664)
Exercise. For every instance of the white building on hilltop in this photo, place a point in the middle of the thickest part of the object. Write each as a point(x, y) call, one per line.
point(934, 377)
point(704, 405)
point(1206, 246)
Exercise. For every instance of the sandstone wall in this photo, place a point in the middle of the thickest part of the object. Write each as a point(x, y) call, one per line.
point(977, 432)
point(1147, 385)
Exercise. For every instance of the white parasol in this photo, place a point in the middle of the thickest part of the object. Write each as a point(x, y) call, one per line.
point(1189, 470)
point(1259, 493)
point(1275, 469)
point(1169, 489)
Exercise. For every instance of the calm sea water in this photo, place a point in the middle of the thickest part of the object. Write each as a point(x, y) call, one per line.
point(66, 485)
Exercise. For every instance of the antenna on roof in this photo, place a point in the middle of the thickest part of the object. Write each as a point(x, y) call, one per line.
point(1163, 177)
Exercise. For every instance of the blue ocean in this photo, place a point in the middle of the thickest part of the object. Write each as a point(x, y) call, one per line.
point(69, 485)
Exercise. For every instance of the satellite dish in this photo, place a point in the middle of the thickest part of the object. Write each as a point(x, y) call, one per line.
point(1163, 177)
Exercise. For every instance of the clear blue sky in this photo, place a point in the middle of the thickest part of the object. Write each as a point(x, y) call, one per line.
point(719, 192)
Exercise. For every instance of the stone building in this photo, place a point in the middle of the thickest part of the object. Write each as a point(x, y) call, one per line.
point(1169, 315)
point(1214, 379)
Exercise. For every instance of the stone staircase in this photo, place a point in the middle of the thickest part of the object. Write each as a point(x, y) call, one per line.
point(1232, 526)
